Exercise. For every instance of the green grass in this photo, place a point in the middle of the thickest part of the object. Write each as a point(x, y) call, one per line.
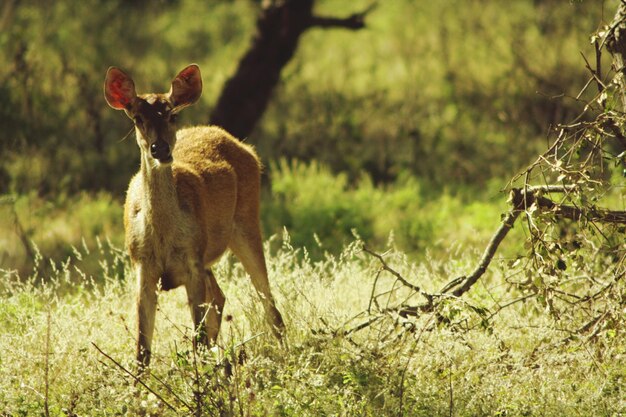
point(322, 212)
point(516, 364)
point(55, 228)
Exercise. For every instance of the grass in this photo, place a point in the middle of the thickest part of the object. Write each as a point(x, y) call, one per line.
point(518, 363)
point(57, 227)
point(322, 212)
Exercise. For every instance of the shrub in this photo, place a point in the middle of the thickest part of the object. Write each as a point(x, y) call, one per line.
point(323, 211)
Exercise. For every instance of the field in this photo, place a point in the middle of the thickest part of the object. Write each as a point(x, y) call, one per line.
point(67, 344)
point(389, 155)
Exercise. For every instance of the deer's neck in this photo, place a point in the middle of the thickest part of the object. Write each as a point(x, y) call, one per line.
point(160, 197)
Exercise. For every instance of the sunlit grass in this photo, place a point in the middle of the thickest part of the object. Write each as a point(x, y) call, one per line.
point(518, 365)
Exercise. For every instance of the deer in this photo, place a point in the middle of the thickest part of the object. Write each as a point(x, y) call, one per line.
point(195, 196)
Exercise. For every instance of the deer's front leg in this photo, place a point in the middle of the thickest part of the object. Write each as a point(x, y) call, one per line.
point(146, 310)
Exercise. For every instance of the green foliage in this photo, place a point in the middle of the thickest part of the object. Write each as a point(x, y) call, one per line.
point(323, 211)
point(309, 201)
point(59, 134)
point(32, 225)
point(453, 91)
point(443, 90)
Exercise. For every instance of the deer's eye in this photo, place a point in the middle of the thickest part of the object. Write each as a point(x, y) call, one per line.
point(138, 121)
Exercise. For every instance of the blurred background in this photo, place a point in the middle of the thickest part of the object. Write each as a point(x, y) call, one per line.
point(401, 132)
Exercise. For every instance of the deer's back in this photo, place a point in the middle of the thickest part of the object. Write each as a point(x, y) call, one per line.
point(207, 146)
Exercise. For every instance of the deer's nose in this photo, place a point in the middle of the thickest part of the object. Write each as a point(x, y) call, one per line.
point(161, 150)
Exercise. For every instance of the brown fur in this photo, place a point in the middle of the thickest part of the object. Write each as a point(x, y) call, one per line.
point(180, 217)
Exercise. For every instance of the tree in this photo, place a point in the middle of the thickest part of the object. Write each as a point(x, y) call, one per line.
point(246, 94)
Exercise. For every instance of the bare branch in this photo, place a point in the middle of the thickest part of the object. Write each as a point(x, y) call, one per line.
point(617, 132)
point(523, 199)
point(399, 277)
point(135, 377)
point(550, 188)
point(490, 251)
point(362, 326)
point(354, 22)
point(586, 327)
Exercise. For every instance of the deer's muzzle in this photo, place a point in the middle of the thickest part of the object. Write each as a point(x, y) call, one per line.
point(161, 150)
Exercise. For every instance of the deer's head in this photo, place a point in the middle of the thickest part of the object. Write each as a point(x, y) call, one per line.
point(154, 115)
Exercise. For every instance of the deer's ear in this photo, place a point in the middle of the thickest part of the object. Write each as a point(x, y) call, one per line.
point(119, 89)
point(186, 87)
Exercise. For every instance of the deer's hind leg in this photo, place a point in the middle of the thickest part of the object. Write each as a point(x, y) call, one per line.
point(206, 301)
point(247, 246)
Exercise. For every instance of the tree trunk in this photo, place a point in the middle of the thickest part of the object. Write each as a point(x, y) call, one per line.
point(245, 95)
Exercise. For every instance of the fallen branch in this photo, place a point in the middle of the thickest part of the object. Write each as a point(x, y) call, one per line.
point(490, 251)
point(521, 200)
point(463, 283)
point(135, 377)
point(586, 327)
point(399, 277)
